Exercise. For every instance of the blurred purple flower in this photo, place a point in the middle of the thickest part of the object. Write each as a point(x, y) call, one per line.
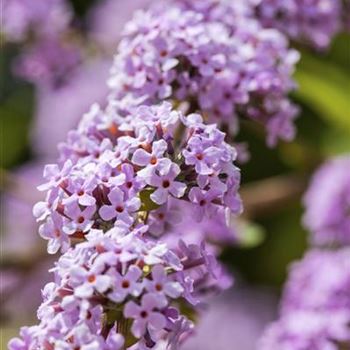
point(314, 22)
point(327, 203)
point(45, 18)
point(306, 330)
point(321, 281)
point(216, 57)
point(49, 62)
point(315, 308)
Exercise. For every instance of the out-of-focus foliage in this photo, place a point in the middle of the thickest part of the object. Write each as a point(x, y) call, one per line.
point(16, 108)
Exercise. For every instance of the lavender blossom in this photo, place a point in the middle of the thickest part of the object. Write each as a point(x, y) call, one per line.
point(222, 62)
point(116, 170)
point(117, 289)
point(327, 203)
point(320, 281)
point(313, 22)
point(304, 330)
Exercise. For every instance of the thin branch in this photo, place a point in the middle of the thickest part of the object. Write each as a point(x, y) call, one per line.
point(271, 195)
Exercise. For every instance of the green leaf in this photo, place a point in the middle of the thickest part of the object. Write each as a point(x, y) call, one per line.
point(15, 119)
point(335, 142)
point(146, 202)
point(6, 335)
point(326, 89)
point(250, 234)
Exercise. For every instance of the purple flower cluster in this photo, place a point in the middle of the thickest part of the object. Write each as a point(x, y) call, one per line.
point(306, 330)
point(315, 310)
point(117, 291)
point(327, 203)
point(320, 281)
point(118, 187)
point(232, 13)
point(116, 171)
point(216, 58)
point(314, 22)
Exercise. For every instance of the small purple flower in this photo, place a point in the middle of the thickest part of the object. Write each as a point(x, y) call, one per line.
point(202, 155)
point(87, 282)
point(204, 202)
point(52, 230)
point(162, 285)
point(43, 209)
point(80, 220)
point(132, 183)
point(120, 208)
point(153, 159)
point(165, 184)
point(124, 285)
point(81, 192)
point(55, 175)
point(146, 316)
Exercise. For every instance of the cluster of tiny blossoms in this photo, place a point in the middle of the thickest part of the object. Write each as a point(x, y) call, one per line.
point(117, 286)
point(217, 59)
point(117, 291)
point(314, 22)
point(315, 310)
point(327, 203)
point(116, 170)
